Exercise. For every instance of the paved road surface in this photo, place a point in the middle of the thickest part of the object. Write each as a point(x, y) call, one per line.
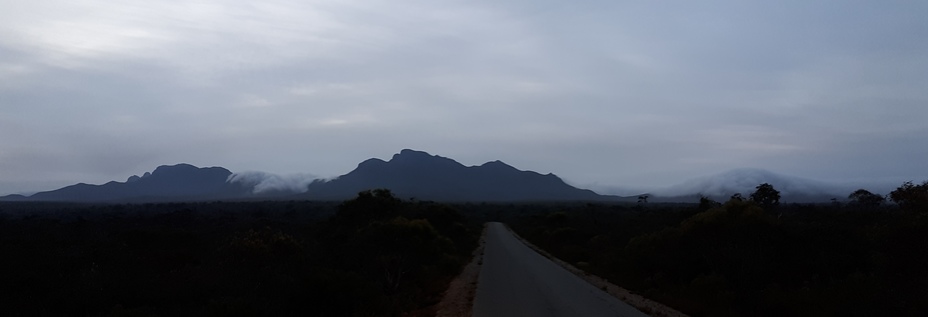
point(517, 281)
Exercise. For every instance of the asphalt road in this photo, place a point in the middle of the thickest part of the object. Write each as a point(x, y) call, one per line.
point(517, 281)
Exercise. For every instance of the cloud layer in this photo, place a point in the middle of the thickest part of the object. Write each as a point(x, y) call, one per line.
point(608, 92)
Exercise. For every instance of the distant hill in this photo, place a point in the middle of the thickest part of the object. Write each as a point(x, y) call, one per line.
point(721, 186)
point(167, 183)
point(416, 174)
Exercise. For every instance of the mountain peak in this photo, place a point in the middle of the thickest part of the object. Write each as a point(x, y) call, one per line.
point(412, 173)
point(370, 163)
point(407, 154)
point(182, 167)
point(412, 152)
point(422, 159)
point(498, 165)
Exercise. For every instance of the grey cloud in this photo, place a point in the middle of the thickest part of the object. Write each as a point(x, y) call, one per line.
point(626, 93)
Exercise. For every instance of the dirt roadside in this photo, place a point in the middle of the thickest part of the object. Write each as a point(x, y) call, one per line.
point(458, 300)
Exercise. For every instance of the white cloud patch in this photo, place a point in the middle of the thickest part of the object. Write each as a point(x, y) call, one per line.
point(266, 182)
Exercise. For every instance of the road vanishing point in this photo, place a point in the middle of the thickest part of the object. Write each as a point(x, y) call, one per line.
point(515, 280)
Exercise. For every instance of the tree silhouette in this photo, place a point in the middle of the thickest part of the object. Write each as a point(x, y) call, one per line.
point(865, 198)
point(402, 249)
point(911, 197)
point(706, 203)
point(370, 205)
point(766, 196)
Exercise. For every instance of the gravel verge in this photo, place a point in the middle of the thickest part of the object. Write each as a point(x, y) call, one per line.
point(458, 300)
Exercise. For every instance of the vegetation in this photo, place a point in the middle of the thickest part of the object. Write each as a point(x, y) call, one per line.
point(742, 259)
point(376, 255)
point(911, 197)
point(371, 256)
point(766, 196)
point(864, 198)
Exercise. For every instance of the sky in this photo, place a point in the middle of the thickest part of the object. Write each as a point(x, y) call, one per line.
point(601, 93)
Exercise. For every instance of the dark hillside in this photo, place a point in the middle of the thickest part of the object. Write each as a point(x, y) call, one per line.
point(167, 183)
point(415, 174)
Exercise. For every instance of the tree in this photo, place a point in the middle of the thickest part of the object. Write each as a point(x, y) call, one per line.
point(766, 196)
point(643, 199)
point(370, 205)
point(402, 249)
point(706, 203)
point(737, 197)
point(911, 197)
point(865, 198)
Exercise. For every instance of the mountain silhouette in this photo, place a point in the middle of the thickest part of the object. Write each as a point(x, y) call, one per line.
point(409, 174)
point(420, 175)
point(416, 174)
point(166, 183)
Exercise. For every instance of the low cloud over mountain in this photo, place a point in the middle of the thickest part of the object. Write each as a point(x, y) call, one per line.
point(416, 174)
point(262, 182)
point(408, 174)
point(744, 181)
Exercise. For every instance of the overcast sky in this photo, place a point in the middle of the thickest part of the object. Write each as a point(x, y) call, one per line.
point(627, 93)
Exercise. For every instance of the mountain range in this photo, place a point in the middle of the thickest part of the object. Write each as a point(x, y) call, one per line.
point(415, 174)
point(409, 174)
point(181, 182)
point(419, 175)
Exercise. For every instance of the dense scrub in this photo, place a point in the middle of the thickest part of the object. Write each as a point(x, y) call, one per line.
point(379, 256)
point(738, 259)
point(371, 256)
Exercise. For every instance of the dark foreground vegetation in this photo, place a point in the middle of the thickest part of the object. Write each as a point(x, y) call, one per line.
point(371, 256)
point(753, 256)
point(377, 255)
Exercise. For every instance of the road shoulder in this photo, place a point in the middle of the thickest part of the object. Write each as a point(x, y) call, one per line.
point(458, 300)
point(647, 306)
